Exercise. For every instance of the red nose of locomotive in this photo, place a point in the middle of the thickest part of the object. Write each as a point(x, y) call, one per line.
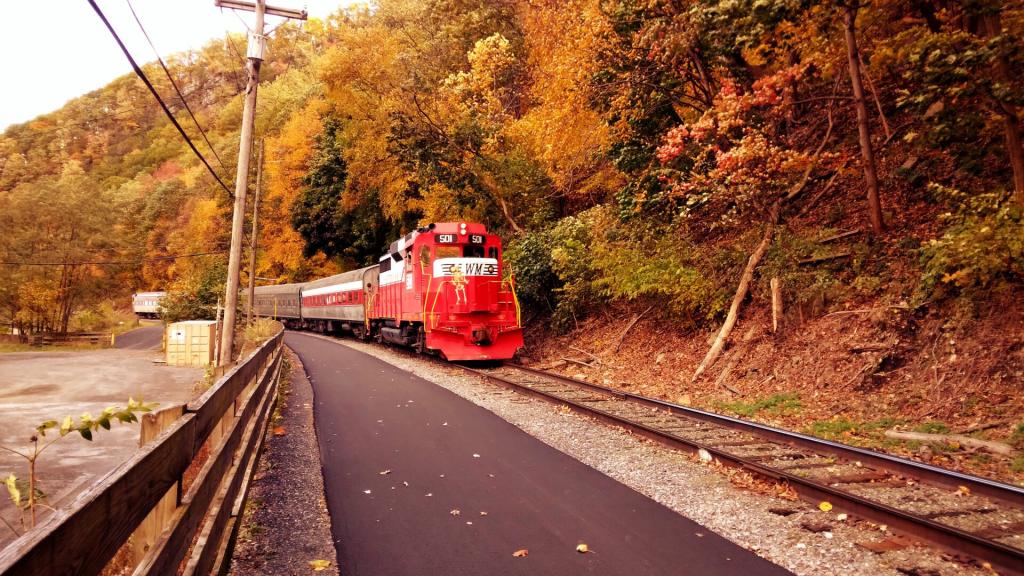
point(472, 313)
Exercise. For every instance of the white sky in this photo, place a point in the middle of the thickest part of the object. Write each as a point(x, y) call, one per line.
point(54, 50)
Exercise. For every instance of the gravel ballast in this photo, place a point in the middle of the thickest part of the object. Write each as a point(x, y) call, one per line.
point(804, 540)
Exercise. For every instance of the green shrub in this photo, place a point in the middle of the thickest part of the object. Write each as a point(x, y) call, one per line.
point(572, 263)
point(596, 258)
point(528, 258)
point(983, 243)
point(260, 330)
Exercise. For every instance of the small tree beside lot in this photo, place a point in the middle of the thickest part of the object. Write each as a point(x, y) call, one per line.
point(26, 494)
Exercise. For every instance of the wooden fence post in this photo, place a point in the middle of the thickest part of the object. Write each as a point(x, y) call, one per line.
point(152, 527)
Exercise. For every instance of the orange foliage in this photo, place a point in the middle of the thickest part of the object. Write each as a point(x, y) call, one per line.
point(280, 254)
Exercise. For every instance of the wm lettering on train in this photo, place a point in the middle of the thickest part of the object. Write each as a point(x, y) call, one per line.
point(472, 269)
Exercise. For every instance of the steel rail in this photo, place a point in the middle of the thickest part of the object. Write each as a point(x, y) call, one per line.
point(1006, 558)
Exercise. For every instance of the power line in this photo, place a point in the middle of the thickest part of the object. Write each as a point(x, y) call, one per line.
point(114, 262)
point(174, 84)
point(145, 80)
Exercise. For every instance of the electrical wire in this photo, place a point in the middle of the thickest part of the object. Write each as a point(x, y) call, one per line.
point(145, 80)
point(175, 85)
point(115, 262)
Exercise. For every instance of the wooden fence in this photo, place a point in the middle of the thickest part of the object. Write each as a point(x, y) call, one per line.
point(48, 338)
point(173, 507)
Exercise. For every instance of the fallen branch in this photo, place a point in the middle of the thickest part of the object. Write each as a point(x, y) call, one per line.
point(824, 190)
point(582, 351)
point(873, 347)
point(721, 380)
point(629, 327)
point(741, 294)
point(818, 259)
point(799, 187)
point(580, 362)
point(868, 310)
point(840, 236)
point(989, 445)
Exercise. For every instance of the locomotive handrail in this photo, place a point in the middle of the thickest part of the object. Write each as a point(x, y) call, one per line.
point(433, 305)
point(515, 299)
point(426, 325)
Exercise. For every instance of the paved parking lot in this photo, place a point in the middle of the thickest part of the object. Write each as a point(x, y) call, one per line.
point(39, 386)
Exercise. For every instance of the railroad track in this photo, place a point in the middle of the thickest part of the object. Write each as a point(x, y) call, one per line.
point(964, 514)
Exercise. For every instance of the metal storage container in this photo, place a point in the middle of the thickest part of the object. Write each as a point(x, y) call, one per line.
point(191, 343)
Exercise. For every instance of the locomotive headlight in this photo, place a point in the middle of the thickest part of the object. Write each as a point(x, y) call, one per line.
point(462, 229)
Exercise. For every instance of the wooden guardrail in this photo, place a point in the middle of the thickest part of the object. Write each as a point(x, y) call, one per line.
point(173, 507)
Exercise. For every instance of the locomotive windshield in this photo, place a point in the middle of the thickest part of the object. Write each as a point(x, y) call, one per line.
point(448, 252)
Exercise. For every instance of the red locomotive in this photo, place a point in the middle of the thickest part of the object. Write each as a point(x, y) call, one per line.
point(438, 289)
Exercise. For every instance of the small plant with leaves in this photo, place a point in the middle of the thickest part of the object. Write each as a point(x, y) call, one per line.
point(26, 495)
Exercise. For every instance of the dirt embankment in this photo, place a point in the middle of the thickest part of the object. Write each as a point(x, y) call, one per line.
point(848, 375)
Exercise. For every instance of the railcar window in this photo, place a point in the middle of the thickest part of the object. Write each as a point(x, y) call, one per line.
point(473, 251)
point(385, 265)
point(448, 252)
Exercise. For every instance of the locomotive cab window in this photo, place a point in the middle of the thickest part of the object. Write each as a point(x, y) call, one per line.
point(385, 265)
point(473, 251)
point(424, 259)
point(492, 252)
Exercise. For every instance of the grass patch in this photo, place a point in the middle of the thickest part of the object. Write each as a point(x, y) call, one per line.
point(1017, 438)
point(777, 405)
point(1018, 465)
point(833, 429)
point(19, 347)
point(845, 430)
point(16, 347)
point(932, 427)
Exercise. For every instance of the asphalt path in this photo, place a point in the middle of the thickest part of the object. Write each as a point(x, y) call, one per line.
point(420, 481)
point(147, 337)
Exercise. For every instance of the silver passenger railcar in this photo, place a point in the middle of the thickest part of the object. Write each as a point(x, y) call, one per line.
point(282, 302)
point(147, 304)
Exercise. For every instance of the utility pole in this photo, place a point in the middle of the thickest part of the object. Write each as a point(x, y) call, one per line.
point(257, 45)
point(255, 236)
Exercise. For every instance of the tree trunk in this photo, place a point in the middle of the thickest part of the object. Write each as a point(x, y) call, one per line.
point(867, 154)
point(991, 25)
point(508, 214)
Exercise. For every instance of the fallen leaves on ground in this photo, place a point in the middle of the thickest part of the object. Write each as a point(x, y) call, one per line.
point(319, 565)
point(522, 553)
point(825, 506)
point(582, 548)
point(279, 431)
point(455, 512)
point(384, 472)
